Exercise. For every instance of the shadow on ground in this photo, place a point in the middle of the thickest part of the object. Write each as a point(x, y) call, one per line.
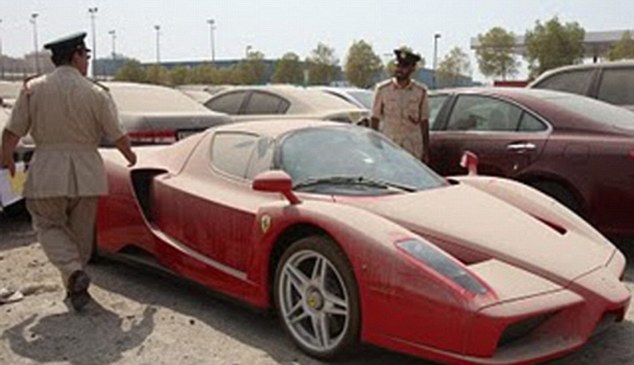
point(93, 338)
point(257, 329)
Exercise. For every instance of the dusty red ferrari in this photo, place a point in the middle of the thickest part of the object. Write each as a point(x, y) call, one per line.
point(576, 149)
point(352, 240)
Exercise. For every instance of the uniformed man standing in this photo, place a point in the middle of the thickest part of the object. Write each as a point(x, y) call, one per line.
point(67, 116)
point(401, 108)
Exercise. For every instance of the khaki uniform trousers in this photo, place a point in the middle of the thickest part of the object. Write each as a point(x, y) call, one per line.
point(65, 228)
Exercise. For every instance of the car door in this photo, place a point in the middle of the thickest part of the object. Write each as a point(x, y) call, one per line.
point(210, 205)
point(506, 137)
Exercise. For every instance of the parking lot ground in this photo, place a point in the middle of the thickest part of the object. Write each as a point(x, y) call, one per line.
point(145, 318)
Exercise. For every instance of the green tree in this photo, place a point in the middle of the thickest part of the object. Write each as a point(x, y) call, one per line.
point(289, 70)
point(553, 44)
point(252, 70)
point(322, 65)
point(495, 53)
point(178, 75)
point(623, 49)
point(157, 74)
point(132, 71)
point(453, 66)
point(363, 66)
point(202, 74)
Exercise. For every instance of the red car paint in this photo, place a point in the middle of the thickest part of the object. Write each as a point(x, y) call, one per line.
point(206, 226)
point(584, 155)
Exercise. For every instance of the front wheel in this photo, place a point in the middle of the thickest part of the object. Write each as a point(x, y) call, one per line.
point(317, 298)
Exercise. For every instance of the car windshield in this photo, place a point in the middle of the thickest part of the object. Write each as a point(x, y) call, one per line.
point(351, 161)
point(593, 109)
point(365, 97)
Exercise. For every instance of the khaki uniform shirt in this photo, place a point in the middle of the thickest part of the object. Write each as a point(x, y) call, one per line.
point(67, 116)
point(394, 106)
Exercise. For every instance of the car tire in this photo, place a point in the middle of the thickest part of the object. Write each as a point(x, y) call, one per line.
point(559, 193)
point(317, 299)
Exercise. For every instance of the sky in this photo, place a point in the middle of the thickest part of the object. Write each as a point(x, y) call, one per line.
point(275, 27)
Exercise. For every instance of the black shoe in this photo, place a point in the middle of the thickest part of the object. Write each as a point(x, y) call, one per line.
point(77, 293)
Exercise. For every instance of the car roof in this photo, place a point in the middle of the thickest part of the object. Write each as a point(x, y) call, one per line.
point(275, 128)
point(303, 100)
point(145, 98)
point(586, 66)
point(542, 101)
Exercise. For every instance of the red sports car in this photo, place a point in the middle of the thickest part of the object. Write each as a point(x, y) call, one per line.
point(578, 150)
point(352, 240)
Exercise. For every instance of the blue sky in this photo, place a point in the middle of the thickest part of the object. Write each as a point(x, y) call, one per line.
point(277, 26)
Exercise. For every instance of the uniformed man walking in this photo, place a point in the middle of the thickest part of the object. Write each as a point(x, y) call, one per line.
point(401, 108)
point(67, 116)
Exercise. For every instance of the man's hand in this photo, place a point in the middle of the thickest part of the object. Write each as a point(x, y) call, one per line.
point(9, 143)
point(123, 145)
point(8, 163)
point(131, 157)
point(414, 121)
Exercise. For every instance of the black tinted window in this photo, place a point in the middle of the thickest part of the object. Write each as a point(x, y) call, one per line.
point(617, 86)
point(263, 103)
point(435, 104)
point(481, 113)
point(228, 103)
point(231, 152)
point(529, 123)
point(576, 82)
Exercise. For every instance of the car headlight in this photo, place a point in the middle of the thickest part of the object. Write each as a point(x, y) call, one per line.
point(441, 263)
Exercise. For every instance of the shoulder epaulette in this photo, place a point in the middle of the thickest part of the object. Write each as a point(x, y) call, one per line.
point(25, 83)
point(384, 84)
point(104, 87)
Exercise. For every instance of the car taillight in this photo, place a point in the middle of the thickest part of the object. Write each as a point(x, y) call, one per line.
point(153, 137)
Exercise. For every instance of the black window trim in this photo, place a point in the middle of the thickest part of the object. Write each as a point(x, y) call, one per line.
point(590, 89)
point(247, 100)
point(523, 109)
point(246, 97)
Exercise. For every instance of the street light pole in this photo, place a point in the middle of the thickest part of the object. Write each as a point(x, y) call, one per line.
point(113, 35)
point(212, 27)
point(247, 50)
point(92, 12)
point(1, 56)
point(436, 36)
point(158, 44)
point(37, 60)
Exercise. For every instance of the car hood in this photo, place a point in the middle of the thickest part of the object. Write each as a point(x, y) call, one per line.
point(461, 219)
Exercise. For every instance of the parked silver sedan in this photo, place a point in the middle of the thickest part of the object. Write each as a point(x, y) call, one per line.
point(160, 115)
point(249, 103)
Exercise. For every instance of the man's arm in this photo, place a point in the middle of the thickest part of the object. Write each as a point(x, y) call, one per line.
point(9, 143)
point(123, 145)
point(424, 125)
point(377, 109)
point(424, 128)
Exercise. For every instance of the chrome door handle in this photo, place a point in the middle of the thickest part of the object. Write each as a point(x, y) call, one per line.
point(521, 147)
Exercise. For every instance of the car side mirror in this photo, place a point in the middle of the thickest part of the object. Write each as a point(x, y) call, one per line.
point(470, 161)
point(276, 181)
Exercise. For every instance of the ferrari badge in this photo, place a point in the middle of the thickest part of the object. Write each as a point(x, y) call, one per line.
point(265, 222)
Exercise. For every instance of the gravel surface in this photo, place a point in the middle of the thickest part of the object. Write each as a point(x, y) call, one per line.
point(145, 318)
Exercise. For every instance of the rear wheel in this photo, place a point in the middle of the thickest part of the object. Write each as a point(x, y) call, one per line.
point(317, 298)
point(559, 193)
